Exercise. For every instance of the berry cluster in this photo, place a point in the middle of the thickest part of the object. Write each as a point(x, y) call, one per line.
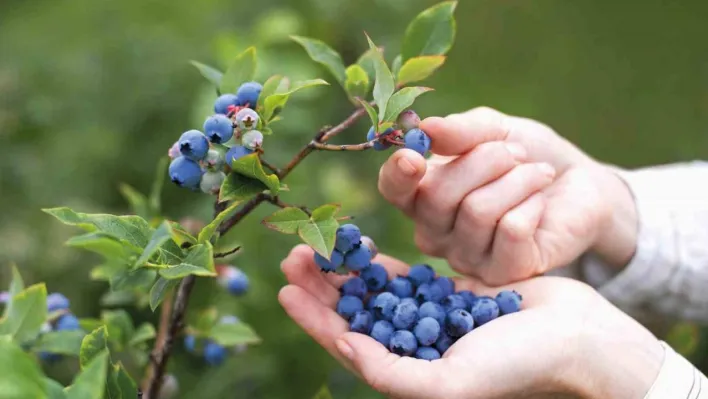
point(406, 133)
point(214, 354)
point(417, 315)
point(200, 158)
point(233, 279)
point(66, 321)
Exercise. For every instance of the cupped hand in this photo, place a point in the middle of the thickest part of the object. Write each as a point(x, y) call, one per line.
point(506, 198)
point(566, 340)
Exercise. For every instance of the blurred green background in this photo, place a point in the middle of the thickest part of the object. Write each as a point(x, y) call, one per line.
point(92, 93)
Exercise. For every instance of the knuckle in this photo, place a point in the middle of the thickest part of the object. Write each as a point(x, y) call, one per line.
point(478, 210)
point(427, 245)
point(515, 227)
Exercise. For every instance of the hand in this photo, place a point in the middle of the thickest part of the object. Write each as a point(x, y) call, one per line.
point(566, 340)
point(506, 198)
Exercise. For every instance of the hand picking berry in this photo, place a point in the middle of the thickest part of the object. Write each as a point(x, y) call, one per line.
point(417, 141)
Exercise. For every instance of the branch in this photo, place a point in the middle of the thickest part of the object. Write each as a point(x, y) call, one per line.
point(345, 147)
point(270, 166)
point(344, 125)
point(227, 253)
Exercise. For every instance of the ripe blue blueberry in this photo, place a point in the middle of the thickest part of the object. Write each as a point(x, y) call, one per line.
point(211, 182)
point(371, 302)
point(427, 353)
point(252, 140)
point(358, 258)
point(458, 323)
point(446, 284)
point(469, 297)
point(218, 128)
point(385, 305)
point(238, 285)
point(421, 274)
point(484, 310)
point(409, 300)
point(429, 292)
point(214, 354)
point(444, 342)
point(368, 242)
point(403, 343)
point(193, 145)
point(348, 306)
point(348, 236)
point(246, 119)
point(452, 302)
point(400, 287)
point(190, 343)
point(57, 301)
point(222, 104)
point(375, 277)
point(417, 141)
point(382, 331)
point(408, 120)
point(508, 302)
point(361, 322)
point(336, 259)
point(68, 322)
point(405, 315)
point(236, 152)
point(379, 145)
point(427, 331)
point(233, 279)
point(248, 93)
point(185, 173)
point(434, 310)
point(355, 286)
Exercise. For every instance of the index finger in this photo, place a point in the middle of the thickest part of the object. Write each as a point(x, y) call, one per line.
point(459, 133)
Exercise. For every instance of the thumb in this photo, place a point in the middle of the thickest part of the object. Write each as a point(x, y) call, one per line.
point(399, 178)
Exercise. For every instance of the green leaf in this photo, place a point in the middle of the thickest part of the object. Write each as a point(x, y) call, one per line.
point(103, 244)
point(373, 115)
point(134, 230)
point(119, 384)
point(276, 102)
point(384, 86)
point(22, 376)
point(325, 212)
point(92, 345)
point(205, 321)
point(89, 324)
point(432, 32)
point(138, 201)
point(120, 298)
point(396, 65)
point(419, 68)
point(321, 232)
point(233, 334)
point(159, 290)
point(357, 83)
point(401, 100)
point(143, 333)
point(323, 54)
point(157, 184)
point(211, 74)
point(250, 166)
point(54, 389)
point(323, 393)
point(161, 235)
point(17, 285)
point(287, 220)
point(237, 187)
point(208, 231)
point(367, 61)
point(199, 262)
point(91, 382)
point(241, 70)
point(269, 87)
point(60, 342)
point(26, 313)
point(180, 236)
point(129, 280)
point(119, 326)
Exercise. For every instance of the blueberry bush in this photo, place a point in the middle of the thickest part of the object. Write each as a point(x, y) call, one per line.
point(149, 260)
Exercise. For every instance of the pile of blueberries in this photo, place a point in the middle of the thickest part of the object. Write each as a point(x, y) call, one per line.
point(213, 353)
point(200, 159)
point(407, 130)
point(66, 321)
point(417, 315)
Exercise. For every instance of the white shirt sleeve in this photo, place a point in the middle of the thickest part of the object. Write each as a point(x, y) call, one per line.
point(678, 379)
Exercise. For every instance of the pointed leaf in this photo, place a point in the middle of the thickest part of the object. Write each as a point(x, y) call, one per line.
point(241, 70)
point(119, 326)
point(419, 68)
point(119, 385)
point(89, 324)
point(103, 244)
point(16, 286)
point(269, 87)
point(199, 262)
point(432, 32)
point(384, 85)
point(93, 344)
point(60, 342)
point(54, 389)
point(237, 187)
point(396, 65)
point(161, 235)
point(357, 83)
point(158, 183)
point(287, 220)
point(26, 313)
point(403, 99)
point(323, 54)
point(367, 61)
point(208, 231)
point(22, 377)
point(180, 236)
point(324, 212)
point(274, 103)
point(138, 201)
point(159, 290)
point(233, 334)
point(250, 166)
point(320, 235)
point(323, 393)
point(373, 115)
point(211, 74)
point(129, 280)
point(131, 229)
point(143, 333)
point(91, 382)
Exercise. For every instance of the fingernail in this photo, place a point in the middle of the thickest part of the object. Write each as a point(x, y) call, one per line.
point(345, 349)
point(517, 150)
point(547, 169)
point(406, 167)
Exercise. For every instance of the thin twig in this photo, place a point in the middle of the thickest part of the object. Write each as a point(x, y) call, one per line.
point(344, 125)
point(165, 314)
point(343, 147)
point(270, 166)
point(227, 253)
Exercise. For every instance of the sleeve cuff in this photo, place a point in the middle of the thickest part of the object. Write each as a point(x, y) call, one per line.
point(677, 379)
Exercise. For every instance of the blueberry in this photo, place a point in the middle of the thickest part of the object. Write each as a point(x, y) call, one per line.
point(221, 105)
point(379, 145)
point(68, 322)
point(427, 353)
point(252, 140)
point(368, 242)
point(348, 236)
point(57, 301)
point(211, 182)
point(246, 119)
point(408, 120)
point(417, 141)
point(403, 343)
point(236, 152)
point(218, 128)
point(508, 302)
point(427, 331)
point(215, 159)
point(444, 342)
point(358, 258)
point(233, 279)
point(446, 285)
point(185, 173)
point(348, 306)
point(452, 302)
point(336, 259)
point(385, 305)
point(370, 303)
point(375, 277)
point(382, 331)
point(458, 323)
point(405, 315)
point(421, 274)
point(214, 354)
point(400, 287)
point(193, 145)
point(190, 343)
point(469, 297)
point(484, 310)
point(355, 286)
point(429, 292)
point(248, 93)
point(434, 310)
point(412, 301)
point(361, 322)
point(173, 152)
